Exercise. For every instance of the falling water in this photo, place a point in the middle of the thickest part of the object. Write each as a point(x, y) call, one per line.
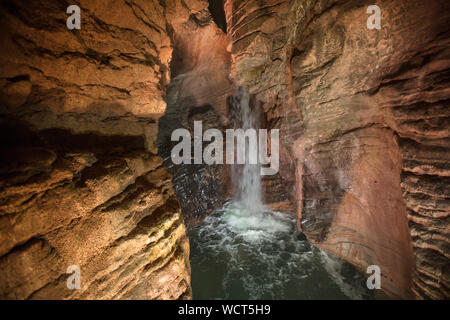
point(246, 178)
point(247, 214)
point(244, 250)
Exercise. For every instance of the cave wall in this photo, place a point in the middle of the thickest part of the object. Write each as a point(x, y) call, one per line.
point(363, 119)
point(198, 91)
point(81, 181)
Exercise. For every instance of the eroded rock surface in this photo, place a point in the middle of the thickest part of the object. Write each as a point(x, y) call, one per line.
point(81, 181)
point(198, 92)
point(363, 119)
point(363, 116)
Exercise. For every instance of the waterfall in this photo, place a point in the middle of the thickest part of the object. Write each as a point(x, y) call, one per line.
point(245, 250)
point(247, 215)
point(246, 178)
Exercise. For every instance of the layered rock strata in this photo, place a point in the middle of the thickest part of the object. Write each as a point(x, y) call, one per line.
point(363, 119)
point(198, 92)
point(363, 116)
point(81, 181)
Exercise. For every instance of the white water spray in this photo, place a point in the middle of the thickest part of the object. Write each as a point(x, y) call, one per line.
point(247, 215)
point(250, 251)
point(247, 177)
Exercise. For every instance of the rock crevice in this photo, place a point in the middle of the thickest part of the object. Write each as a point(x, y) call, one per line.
point(81, 181)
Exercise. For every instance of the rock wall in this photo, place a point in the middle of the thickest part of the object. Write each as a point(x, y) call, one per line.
point(363, 119)
point(198, 92)
point(81, 181)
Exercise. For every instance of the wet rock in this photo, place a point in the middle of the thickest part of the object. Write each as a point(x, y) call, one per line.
point(363, 119)
point(197, 92)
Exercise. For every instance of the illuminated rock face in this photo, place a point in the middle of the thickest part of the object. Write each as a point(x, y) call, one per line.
point(198, 91)
point(81, 181)
point(363, 119)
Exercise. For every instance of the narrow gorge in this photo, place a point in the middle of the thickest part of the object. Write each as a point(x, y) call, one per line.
point(88, 178)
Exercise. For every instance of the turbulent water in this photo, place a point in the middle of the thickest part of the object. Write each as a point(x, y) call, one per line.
point(237, 254)
point(247, 251)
